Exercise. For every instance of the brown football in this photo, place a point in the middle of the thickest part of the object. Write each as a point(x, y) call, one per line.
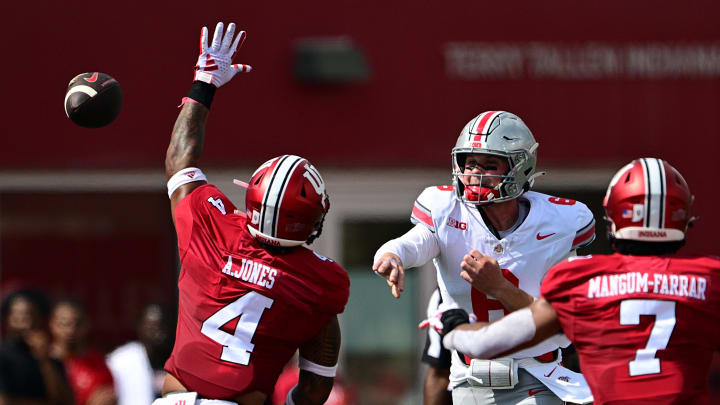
point(93, 99)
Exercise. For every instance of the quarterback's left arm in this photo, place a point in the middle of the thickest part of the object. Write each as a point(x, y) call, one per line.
point(519, 330)
point(318, 363)
point(485, 275)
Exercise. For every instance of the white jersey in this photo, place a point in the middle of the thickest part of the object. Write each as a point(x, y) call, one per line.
point(553, 228)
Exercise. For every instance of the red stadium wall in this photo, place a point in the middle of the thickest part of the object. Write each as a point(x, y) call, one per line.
point(599, 83)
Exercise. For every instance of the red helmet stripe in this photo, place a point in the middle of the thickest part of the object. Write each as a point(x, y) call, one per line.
point(485, 120)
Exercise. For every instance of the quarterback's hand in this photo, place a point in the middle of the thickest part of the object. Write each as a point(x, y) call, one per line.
point(483, 272)
point(390, 267)
point(214, 65)
point(447, 317)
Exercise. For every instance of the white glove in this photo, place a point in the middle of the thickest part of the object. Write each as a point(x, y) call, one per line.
point(214, 65)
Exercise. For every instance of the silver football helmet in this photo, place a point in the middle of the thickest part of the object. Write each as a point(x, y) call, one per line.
point(501, 134)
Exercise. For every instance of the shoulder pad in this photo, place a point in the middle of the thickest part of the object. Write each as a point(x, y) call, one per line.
point(430, 199)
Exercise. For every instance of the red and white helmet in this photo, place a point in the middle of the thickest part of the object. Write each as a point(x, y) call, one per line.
point(286, 201)
point(648, 200)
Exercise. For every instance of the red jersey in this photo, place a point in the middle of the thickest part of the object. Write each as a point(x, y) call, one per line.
point(86, 373)
point(243, 310)
point(645, 327)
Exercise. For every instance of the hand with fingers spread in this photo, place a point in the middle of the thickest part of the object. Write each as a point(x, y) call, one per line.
point(391, 268)
point(484, 273)
point(214, 65)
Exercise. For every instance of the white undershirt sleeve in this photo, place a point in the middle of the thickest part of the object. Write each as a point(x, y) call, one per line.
point(417, 247)
point(494, 339)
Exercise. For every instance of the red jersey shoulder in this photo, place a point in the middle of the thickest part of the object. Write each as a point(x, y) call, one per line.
point(206, 210)
point(208, 200)
point(568, 274)
point(329, 275)
point(701, 263)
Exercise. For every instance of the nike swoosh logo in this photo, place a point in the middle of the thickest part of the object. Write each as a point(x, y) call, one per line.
point(93, 78)
point(541, 237)
point(533, 392)
point(551, 371)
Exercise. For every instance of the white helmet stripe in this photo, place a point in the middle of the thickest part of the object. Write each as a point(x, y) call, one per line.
point(263, 206)
point(646, 203)
point(485, 120)
point(654, 192)
point(663, 188)
point(276, 189)
point(293, 163)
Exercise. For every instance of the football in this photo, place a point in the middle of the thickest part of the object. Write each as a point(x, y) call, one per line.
point(93, 99)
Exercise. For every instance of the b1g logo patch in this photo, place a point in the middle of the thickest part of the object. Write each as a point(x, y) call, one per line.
point(454, 223)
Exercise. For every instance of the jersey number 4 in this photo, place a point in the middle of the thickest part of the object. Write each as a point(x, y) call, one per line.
point(237, 347)
point(630, 310)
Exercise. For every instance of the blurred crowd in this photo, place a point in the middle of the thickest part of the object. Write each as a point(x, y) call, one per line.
point(48, 356)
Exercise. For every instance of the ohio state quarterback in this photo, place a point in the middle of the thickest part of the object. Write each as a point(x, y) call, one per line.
point(644, 319)
point(490, 210)
point(250, 295)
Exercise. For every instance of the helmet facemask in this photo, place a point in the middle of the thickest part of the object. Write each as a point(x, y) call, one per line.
point(500, 134)
point(484, 193)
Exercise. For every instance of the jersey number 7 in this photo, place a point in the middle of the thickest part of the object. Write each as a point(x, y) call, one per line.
point(630, 310)
point(237, 347)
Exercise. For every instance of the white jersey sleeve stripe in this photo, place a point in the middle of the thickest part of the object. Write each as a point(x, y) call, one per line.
point(421, 215)
point(585, 236)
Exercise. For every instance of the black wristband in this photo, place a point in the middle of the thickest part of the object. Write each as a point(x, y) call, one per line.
point(452, 318)
point(202, 92)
